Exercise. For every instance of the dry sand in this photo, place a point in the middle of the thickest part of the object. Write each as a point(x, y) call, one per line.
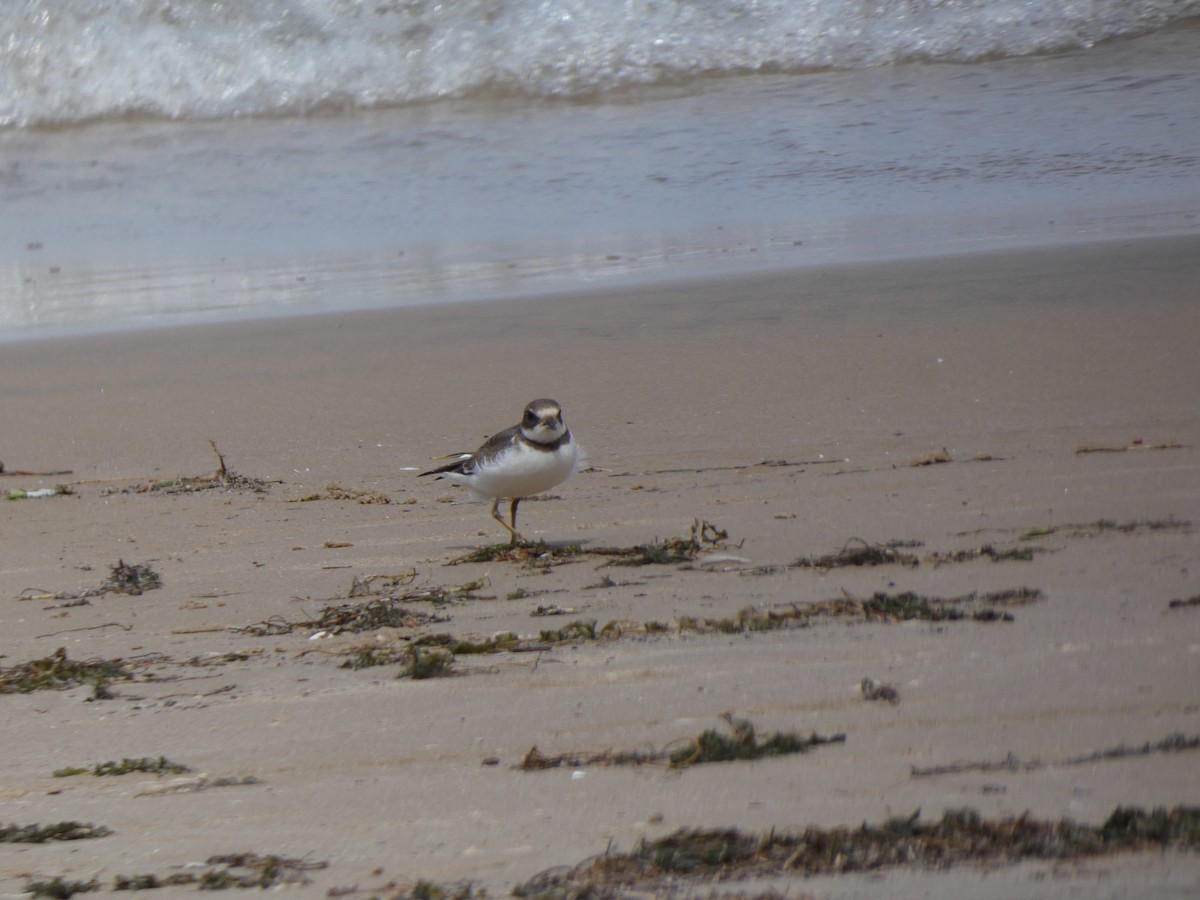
point(1009, 362)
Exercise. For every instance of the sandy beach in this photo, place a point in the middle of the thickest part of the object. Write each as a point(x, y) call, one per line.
point(1039, 403)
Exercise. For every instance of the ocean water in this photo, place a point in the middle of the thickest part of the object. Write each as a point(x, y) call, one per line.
point(164, 162)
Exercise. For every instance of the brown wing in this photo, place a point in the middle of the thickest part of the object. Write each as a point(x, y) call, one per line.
point(458, 466)
point(490, 448)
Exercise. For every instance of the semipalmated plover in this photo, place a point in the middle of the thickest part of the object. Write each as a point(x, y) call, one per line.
point(518, 462)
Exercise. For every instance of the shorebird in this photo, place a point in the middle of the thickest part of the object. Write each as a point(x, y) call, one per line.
point(526, 459)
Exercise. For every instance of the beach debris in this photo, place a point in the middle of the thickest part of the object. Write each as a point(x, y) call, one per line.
point(369, 657)
point(235, 870)
point(607, 581)
point(432, 656)
point(58, 888)
point(133, 579)
point(524, 593)
point(704, 537)
point(199, 783)
point(879, 691)
point(1137, 444)
point(710, 746)
point(857, 552)
point(123, 578)
point(421, 889)
point(386, 609)
point(1103, 526)
point(579, 630)
point(551, 609)
point(432, 890)
point(987, 551)
point(908, 606)
point(960, 836)
point(1176, 742)
point(879, 607)
point(23, 473)
point(56, 673)
point(932, 459)
point(723, 562)
point(335, 491)
point(245, 870)
point(737, 467)
point(1181, 604)
point(223, 477)
point(743, 744)
point(533, 555)
point(238, 870)
point(380, 585)
point(427, 662)
point(386, 612)
point(154, 765)
point(60, 831)
point(59, 490)
point(352, 618)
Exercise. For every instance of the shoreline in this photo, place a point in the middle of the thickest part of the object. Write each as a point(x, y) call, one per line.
point(800, 412)
point(748, 267)
point(145, 222)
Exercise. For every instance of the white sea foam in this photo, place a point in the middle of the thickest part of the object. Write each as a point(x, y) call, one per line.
point(69, 61)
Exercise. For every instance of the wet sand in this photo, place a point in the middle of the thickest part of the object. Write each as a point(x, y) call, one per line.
point(785, 409)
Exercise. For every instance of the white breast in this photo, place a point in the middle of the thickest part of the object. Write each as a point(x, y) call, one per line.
point(523, 472)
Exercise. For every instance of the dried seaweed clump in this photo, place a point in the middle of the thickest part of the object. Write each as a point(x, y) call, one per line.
point(358, 617)
point(526, 553)
point(879, 691)
point(336, 491)
point(233, 870)
point(742, 744)
point(60, 831)
point(222, 477)
point(123, 578)
point(1176, 742)
point(1102, 526)
point(388, 609)
point(908, 606)
point(59, 888)
point(427, 662)
point(431, 890)
point(417, 661)
point(709, 746)
point(704, 536)
point(236, 870)
point(56, 673)
point(880, 607)
point(987, 551)
point(932, 459)
point(153, 765)
point(251, 870)
point(133, 579)
point(961, 836)
point(857, 552)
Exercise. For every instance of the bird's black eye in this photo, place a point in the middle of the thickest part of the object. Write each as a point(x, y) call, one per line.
point(531, 418)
